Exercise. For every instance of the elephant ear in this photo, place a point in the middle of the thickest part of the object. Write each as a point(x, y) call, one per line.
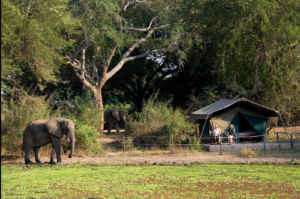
point(53, 127)
point(116, 114)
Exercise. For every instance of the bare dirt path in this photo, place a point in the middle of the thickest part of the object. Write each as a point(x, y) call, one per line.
point(114, 155)
point(169, 159)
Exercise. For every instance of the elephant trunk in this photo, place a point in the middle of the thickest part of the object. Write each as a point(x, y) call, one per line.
point(72, 140)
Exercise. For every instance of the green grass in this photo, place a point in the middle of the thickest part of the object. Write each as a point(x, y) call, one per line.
point(110, 181)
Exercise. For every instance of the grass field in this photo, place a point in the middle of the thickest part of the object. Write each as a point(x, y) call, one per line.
point(109, 181)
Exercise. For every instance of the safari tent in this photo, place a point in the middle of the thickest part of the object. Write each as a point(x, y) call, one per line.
point(249, 118)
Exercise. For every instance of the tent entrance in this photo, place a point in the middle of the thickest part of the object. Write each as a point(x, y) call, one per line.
point(246, 131)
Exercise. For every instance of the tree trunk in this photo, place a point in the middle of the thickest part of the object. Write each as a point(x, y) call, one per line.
point(99, 105)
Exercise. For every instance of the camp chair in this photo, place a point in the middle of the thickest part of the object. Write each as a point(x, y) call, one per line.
point(215, 139)
point(225, 137)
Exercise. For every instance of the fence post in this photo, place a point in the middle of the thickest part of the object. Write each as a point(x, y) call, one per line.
point(220, 145)
point(123, 144)
point(264, 143)
point(292, 143)
point(277, 137)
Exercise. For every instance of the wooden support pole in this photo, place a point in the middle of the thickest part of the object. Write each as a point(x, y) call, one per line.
point(220, 139)
point(204, 126)
point(265, 144)
point(123, 144)
point(277, 137)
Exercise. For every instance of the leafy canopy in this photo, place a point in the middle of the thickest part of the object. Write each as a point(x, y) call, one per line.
point(32, 39)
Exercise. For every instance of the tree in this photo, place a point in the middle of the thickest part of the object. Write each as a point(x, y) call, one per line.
point(256, 45)
point(31, 41)
point(107, 26)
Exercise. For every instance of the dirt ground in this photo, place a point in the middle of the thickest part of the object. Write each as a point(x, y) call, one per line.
point(159, 157)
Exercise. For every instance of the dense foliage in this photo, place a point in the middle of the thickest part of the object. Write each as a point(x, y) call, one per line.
point(206, 50)
point(255, 45)
point(160, 119)
point(32, 41)
point(17, 114)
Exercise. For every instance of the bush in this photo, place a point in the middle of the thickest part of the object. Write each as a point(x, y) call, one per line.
point(248, 153)
point(82, 108)
point(17, 113)
point(23, 108)
point(194, 140)
point(160, 119)
point(87, 138)
point(86, 118)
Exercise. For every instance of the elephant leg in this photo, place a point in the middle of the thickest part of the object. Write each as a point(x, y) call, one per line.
point(37, 154)
point(27, 154)
point(116, 124)
point(52, 155)
point(57, 145)
point(110, 124)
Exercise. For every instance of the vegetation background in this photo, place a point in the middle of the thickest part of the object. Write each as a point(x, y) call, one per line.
point(205, 51)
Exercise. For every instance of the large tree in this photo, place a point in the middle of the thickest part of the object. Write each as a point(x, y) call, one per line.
point(110, 30)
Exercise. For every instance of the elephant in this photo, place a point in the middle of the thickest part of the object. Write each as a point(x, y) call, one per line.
point(113, 116)
point(41, 132)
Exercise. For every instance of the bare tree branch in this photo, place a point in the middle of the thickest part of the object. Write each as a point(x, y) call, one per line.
point(127, 53)
point(145, 54)
point(83, 52)
point(107, 63)
point(139, 29)
point(75, 64)
point(84, 46)
point(143, 29)
point(85, 78)
point(89, 77)
point(128, 3)
point(95, 70)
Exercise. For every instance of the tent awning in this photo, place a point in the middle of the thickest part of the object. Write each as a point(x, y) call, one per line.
point(205, 112)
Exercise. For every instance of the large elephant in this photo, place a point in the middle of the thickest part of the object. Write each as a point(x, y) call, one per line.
point(113, 117)
point(42, 132)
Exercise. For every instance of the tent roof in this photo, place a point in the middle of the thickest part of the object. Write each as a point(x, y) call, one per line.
point(225, 103)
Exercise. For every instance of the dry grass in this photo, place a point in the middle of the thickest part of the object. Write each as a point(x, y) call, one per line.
point(248, 152)
point(281, 130)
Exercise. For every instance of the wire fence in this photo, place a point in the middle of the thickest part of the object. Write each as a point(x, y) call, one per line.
point(212, 140)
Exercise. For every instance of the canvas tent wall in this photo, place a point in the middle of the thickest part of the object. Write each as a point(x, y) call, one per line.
point(228, 111)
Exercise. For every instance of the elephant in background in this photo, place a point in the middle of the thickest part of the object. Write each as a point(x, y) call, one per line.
point(42, 132)
point(113, 117)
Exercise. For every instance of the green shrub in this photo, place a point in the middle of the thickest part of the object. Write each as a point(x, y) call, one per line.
point(17, 113)
point(23, 108)
point(86, 138)
point(82, 108)
point(194, 140)
point(87, 120)
point(159, 119)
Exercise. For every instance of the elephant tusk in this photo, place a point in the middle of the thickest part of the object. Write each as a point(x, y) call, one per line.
point(68, 140)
